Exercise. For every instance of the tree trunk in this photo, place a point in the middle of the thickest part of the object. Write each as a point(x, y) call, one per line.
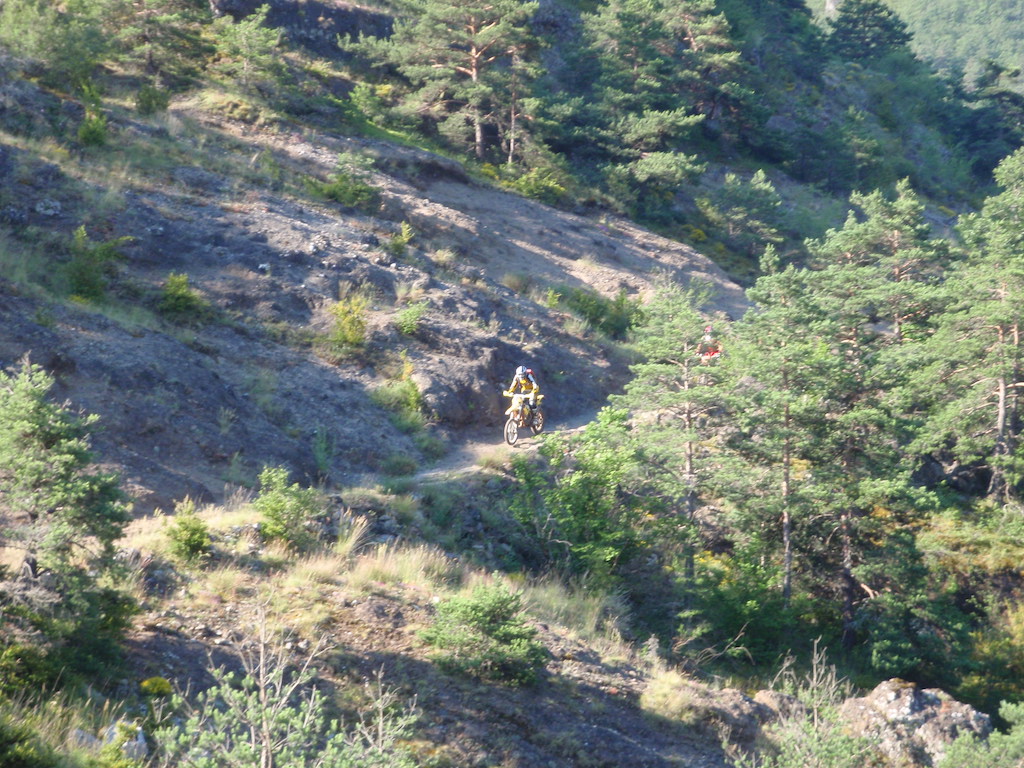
point(849, 584)
point(997, 488)
point(787, 520)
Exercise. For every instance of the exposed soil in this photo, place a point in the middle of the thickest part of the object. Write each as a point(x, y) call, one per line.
point(196, 409)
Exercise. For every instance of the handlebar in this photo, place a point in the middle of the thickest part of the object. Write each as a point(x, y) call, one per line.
point(508, 393)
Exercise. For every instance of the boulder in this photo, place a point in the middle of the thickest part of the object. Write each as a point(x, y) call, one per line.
point(913, 726)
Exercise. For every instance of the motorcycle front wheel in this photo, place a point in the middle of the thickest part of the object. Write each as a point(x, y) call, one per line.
point(537, 423)
point(511, 431)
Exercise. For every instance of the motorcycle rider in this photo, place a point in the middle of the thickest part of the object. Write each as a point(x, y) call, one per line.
point(709, 347)
point(525, 382)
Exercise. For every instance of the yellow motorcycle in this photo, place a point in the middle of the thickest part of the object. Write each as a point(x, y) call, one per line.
point(521, 415)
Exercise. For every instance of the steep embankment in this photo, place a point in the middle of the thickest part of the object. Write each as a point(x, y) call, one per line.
point(194, 408)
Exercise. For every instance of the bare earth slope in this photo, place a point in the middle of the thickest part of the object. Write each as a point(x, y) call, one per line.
point(194, 409)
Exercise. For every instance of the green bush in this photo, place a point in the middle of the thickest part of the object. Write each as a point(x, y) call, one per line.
point(20, 748)
point(399, 241)
point(346, 189)
point(403, 399)
point(482, 635)
point(288, 510)
point(92, 264)
point(613, 317)
point(150, 100)
point(539, 184)
point(26, 668)
point(997, 751)
point(93, 130)
point(179, 302)
point(157, 687)
point(398, 465)
point(408, 320)
point(348, 185)
point(348, 334)
point(189, 535)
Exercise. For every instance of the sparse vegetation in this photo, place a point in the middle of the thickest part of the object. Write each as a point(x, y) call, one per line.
point(189, 535)
point(402, 398)
point(289, 512)
point(92, 265)
point(613, 317)
point(399, 242)
point(408, 319)
point(348, 334)
point(482, 634)
point(349, 185)
point(179, 302)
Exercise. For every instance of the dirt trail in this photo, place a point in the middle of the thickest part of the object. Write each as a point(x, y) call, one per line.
point(482, 443)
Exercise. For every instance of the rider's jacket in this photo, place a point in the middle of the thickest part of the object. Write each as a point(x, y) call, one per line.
point(527, 385)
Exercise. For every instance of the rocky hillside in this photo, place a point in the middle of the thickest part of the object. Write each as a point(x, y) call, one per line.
point(195, 405)
point(192, 407)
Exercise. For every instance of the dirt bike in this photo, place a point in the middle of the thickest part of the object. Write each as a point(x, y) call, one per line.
point(521, 415)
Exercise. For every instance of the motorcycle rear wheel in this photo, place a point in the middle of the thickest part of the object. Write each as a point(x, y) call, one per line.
point(511, 431)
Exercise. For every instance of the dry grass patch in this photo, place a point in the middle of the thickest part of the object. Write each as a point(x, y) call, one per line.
point(310, 572)
point(56, 720)
point(307, 609)
point(671, 695)
point(495, 459)
point(351, 540)
point(421, 566)
point(590, 616)
point(227, 584)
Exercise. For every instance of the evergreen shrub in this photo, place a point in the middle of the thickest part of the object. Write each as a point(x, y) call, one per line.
point(189, 535)
point(150, 100)
point(288, 510)
point(408, 320)
point(179, 302)
point(613, 317)
point(483, 635)
point(93, 131)
point(348, 333)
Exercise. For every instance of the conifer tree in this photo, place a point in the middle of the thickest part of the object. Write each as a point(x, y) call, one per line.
point(641, 119)
point(777, 365)
point(867, 29)
point(747, 211)
point(712, 75)
point(977, 359)
point(248, 46)
point(463, 62)
point(673, 394)
point(66, 38)
point(61, 512)
point(891, 234)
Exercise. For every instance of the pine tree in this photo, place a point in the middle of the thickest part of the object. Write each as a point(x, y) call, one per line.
point(248, 47)
point(777, 365)
point(747, 211)
point(63, 514)
point(159, 36)
point(892, 234)
point(66, 38)
point(464, 65)
point(867, 29)
point(977, 358)
point(640, 118)
point(674, 399)
point(712, 74)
